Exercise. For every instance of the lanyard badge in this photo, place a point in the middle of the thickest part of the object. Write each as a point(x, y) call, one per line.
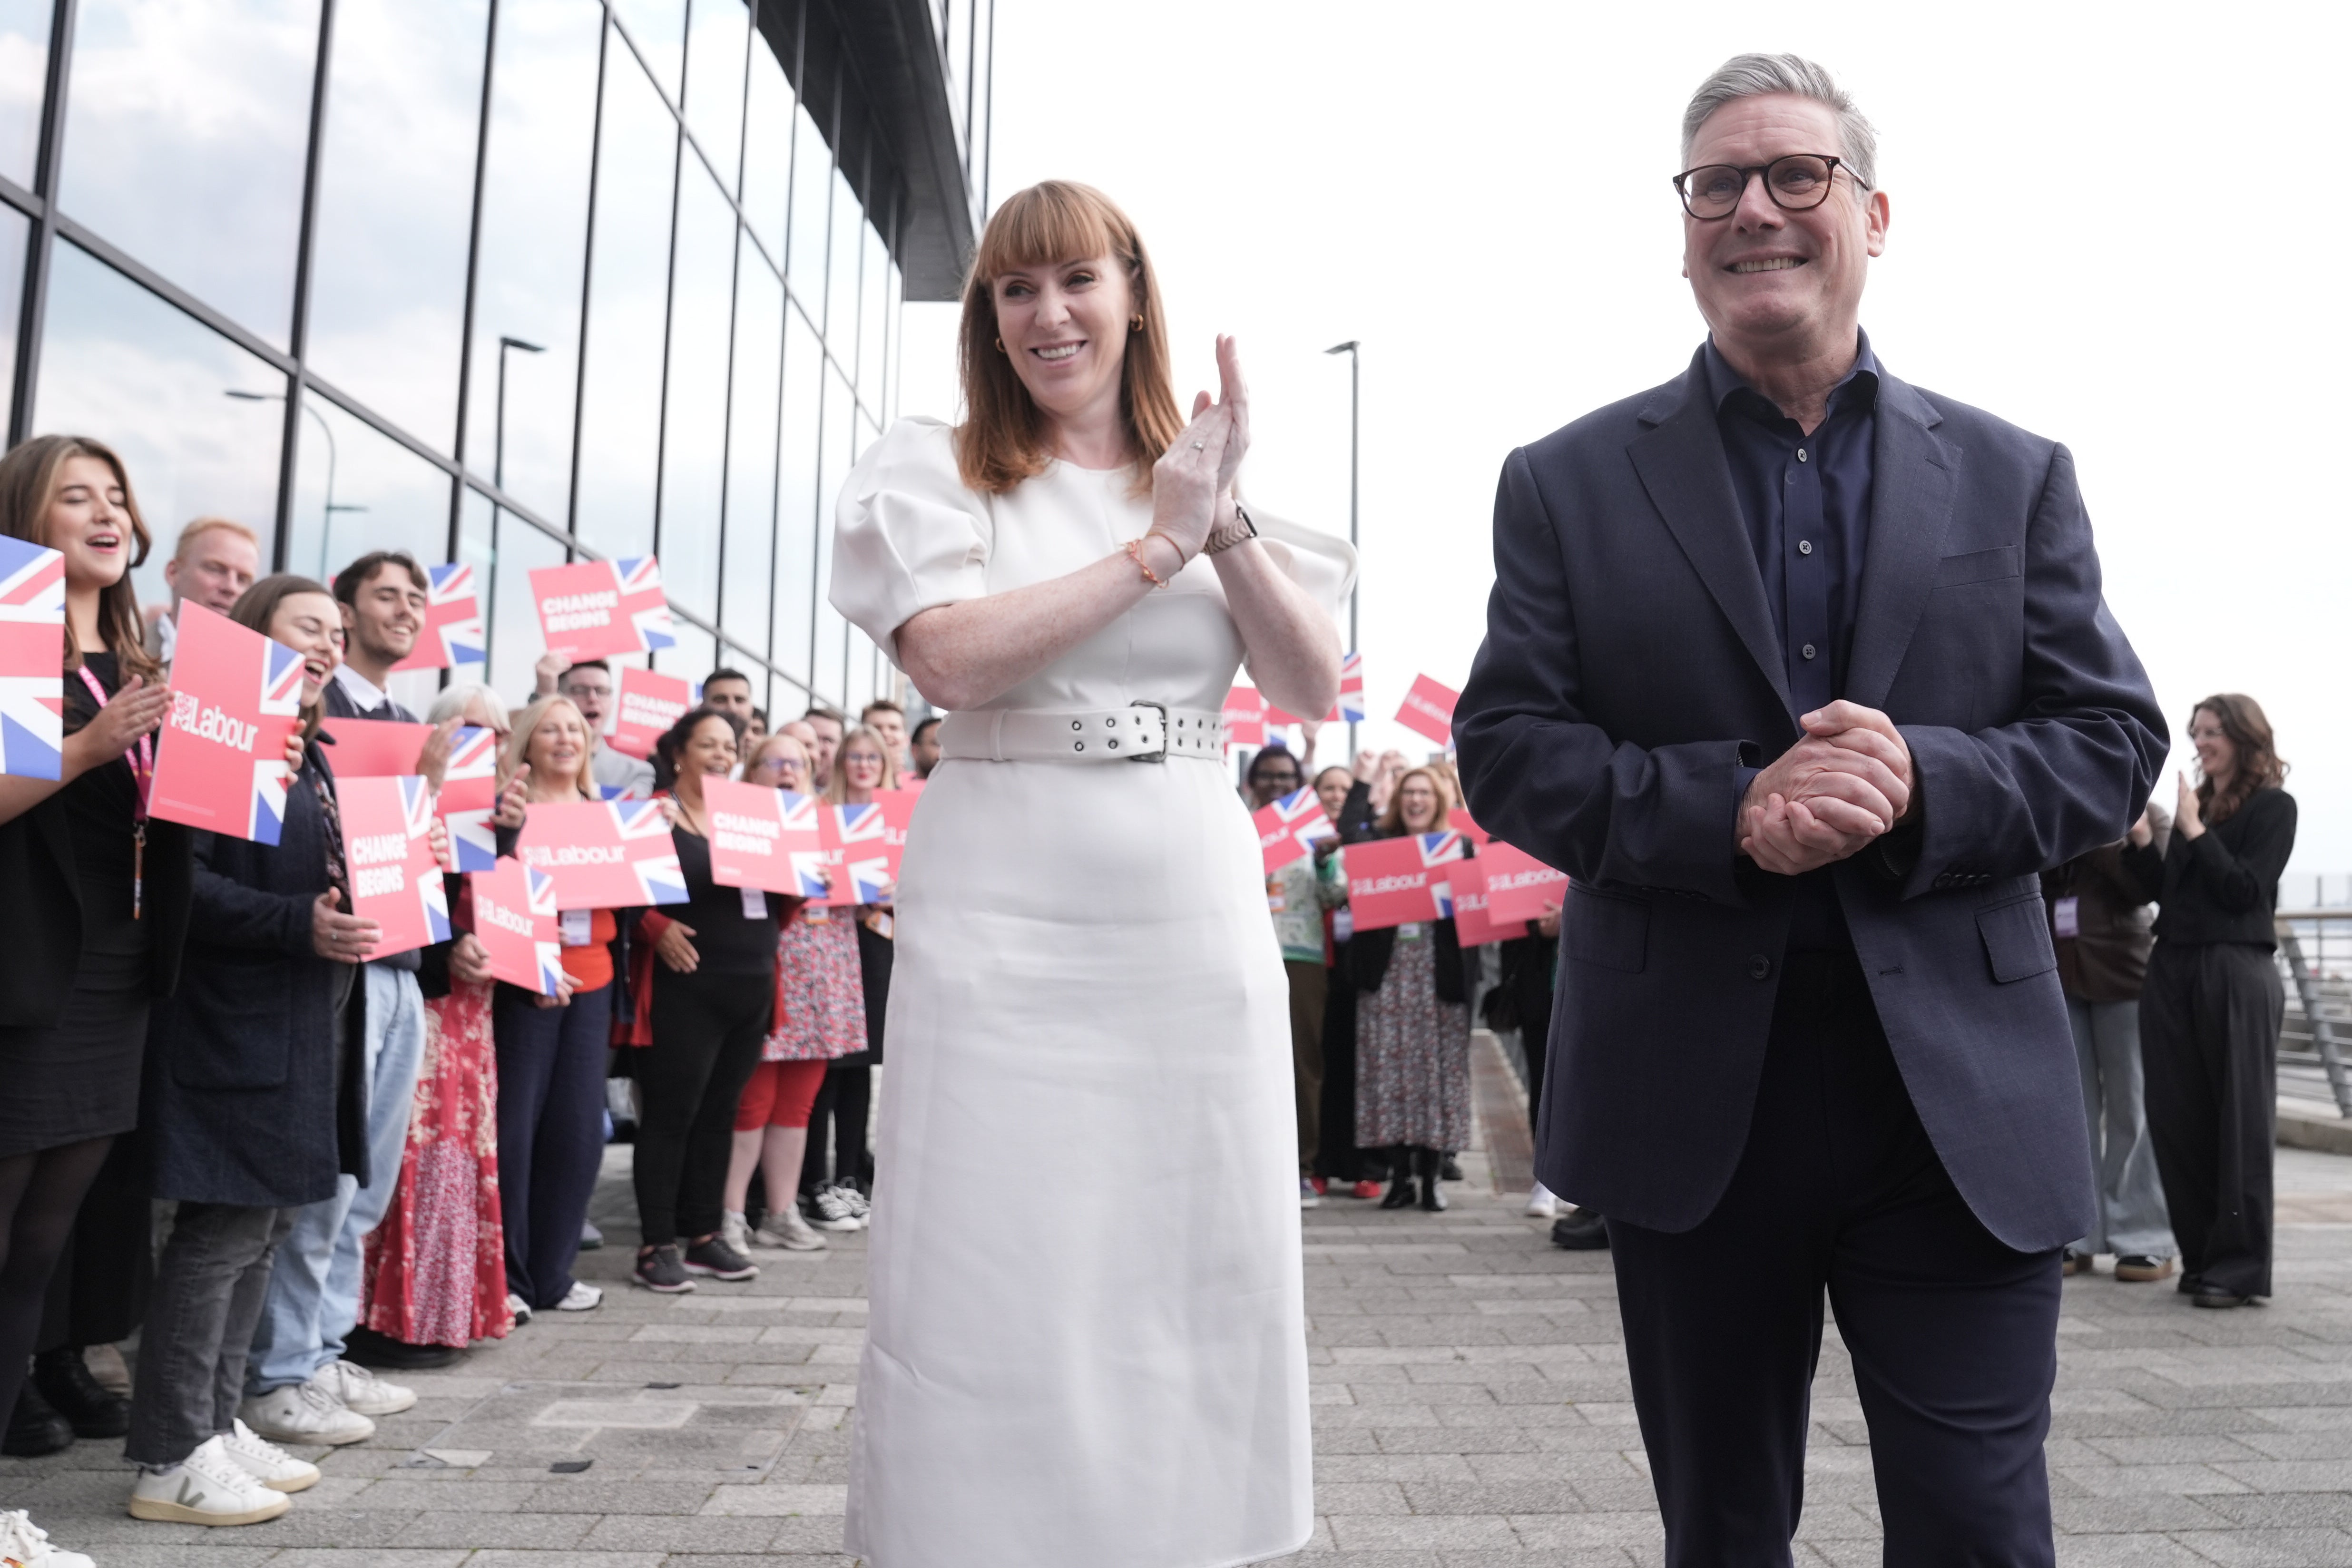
point(142, 758)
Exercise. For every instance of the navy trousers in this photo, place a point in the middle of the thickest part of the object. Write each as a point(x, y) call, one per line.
point(551, 1133)
point(1954, 1336)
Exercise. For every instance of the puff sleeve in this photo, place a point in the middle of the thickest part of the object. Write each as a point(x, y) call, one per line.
point(907, 535)
point(1322, 564)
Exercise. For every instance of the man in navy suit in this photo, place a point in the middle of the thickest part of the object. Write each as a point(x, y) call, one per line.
point(1803, 675)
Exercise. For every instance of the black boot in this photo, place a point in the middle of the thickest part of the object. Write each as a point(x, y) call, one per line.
point(33, 1428)
point(1426, 1163)
point(92, 1409)
point(1402, 1191)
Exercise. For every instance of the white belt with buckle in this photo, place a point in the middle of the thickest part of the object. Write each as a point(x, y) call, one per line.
point(1138, 733)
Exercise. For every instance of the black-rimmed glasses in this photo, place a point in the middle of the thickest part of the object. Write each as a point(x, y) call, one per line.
point(1797, 182)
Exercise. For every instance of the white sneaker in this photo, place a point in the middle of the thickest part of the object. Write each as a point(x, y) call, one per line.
point(836, 1211)
point(1541, 1204)
point(25, 1543)
point(357, 1388)
point(1308, 1198)
point(785, 1229)
point(268, 1463)
point(206, 1488)
point(520, 1307)
point(582, 1298)
point(305, 1413)
point(733, 1231)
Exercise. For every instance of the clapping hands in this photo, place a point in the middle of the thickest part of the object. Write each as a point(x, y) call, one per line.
point(1192, 482)
point(1829, 795)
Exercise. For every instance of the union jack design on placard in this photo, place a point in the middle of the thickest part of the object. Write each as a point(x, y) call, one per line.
point(281, 696)
point(1290, 828)
point(452, 634)
point(1351, 688)
point(660, 878)
point(865, 825)
point(417, 805)
point(641, 598)
point(471, 779)
point(32, 658)
point(808, 865)
point(1437, 849)
point(550, 953)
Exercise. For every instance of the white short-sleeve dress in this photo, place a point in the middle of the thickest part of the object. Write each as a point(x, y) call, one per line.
point(1087, 1333)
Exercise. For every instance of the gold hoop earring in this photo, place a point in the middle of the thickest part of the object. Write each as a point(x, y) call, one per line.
point(1000, 345)
point(1135, 324)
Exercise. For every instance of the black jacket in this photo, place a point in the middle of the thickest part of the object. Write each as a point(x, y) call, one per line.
point(2223, 886)
point(255, 1094)
point(40, 915)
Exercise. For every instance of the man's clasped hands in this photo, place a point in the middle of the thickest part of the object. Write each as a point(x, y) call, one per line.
point(1829, 795)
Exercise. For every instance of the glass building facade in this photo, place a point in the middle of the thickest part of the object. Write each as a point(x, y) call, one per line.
point(507, 281)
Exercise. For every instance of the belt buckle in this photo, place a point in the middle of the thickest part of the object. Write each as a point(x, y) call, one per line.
point(1161, 755)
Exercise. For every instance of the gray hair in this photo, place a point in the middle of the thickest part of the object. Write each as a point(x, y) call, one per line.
point(455, 698)
point(1759, 75)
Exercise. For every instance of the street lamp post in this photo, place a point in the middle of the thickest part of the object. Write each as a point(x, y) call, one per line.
point(327, 515)
point(1355, 407)
point(498, 439)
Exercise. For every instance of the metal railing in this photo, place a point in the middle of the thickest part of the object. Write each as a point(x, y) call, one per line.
point(2315, 957)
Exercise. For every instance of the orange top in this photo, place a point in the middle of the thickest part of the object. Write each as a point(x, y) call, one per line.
point(591, 967)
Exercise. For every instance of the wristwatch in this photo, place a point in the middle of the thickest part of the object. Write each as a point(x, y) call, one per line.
point(1239, 531)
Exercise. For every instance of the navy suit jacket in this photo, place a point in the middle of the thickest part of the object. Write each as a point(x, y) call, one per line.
point(1631, 666)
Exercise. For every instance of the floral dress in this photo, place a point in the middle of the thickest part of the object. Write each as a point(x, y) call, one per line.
point(437, 1270)
point(1413, 1055)
point(820, 996)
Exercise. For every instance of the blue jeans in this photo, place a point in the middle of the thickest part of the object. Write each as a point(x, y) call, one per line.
point(314, 1289)
point(2133, 1222)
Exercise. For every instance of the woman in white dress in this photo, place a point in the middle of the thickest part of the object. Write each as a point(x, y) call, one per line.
point(1086, 1344)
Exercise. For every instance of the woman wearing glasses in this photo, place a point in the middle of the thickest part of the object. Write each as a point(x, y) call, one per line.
point(820, 1017)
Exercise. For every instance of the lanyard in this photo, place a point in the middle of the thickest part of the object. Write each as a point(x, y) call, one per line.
point(142, 758)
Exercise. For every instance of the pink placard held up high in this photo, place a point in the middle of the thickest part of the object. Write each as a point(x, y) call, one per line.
point(1428, 709)
point(220, 762)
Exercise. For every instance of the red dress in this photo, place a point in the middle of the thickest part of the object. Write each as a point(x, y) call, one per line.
point(437, 1271)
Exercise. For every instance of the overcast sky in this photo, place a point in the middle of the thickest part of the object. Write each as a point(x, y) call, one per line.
point(2107, 228)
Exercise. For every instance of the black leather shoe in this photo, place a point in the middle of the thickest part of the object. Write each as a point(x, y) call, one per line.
point(1432, 1194)
point(33, 1428)
point(1401, 1193)
point(1449, 1169)
point(91, 1408)
point(369, 1348)
point(2209, 1295)
point(2189, 1284)
point(1581, 1230)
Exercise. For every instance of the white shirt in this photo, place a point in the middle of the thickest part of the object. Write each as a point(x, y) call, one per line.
point(365, 694)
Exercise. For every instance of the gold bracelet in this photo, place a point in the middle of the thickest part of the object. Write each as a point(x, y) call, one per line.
point(1134, 548)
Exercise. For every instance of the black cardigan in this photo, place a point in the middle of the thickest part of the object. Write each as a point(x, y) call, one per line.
point(2223, 887)
point(40, 918)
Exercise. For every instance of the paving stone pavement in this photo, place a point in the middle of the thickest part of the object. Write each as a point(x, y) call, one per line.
point(1470, 1401)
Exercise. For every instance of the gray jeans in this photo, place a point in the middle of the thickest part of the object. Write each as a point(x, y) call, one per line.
point(208, 1292)
point(2131, 1221)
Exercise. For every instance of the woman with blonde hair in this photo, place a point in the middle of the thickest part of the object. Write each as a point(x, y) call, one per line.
point(864, 763)
point(1413, 1021)
point(553, 1049)
point(435, 1267)
point(2210, 1007)
point(1085, 980)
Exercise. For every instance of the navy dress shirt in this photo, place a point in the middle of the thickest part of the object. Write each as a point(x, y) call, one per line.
point(1806, 502)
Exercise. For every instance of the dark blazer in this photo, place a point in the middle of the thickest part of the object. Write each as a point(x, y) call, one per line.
point(2223, 886)
point(254, 1092)
point(1631, 666)
point(40, 918)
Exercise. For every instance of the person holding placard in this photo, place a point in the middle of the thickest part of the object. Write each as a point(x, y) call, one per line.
point(1296, 894)
point(255, 1107)
point(444, 1226)
point(589, 685)
point(864, 763)
point(313, 1302)
point(98, 911)
point(1085, 946)
point(551, 1049)
point(820, 1017)
point(1413, 984)
point(707, 1004)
